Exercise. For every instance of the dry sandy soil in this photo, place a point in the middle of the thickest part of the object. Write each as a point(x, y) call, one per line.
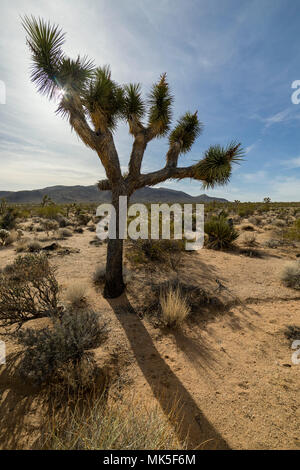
point(230, 366)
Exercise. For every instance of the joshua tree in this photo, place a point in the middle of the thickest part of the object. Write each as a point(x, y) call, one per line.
point(46, 201)
point(93, 104)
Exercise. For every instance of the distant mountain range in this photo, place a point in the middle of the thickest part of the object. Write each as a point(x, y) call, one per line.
point(69, 194)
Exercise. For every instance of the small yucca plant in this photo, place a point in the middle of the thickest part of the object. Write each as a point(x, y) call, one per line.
point(220, 233)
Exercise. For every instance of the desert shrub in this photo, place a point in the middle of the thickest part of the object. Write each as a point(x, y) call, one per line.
point(244, 211)
point(143, 251)
point(293, 233)
point(33, 246)
point(75, 294)
point(62, 221)
point(250, 239)
point(290, 275)
point(220, 233)
point(99, 275)
point(273, 243)
point(174, 307)
point(64, 233)
point(22, 244)
point(12, 238)
point(93, 423)
point(49, 225)
point(83, 219)
point(78, 230)
point(8, 220)
point(92, 228)
point(49, 212)
point(253, 220)
point(279, 223)
point(4, 236)
point(67, 340)
point(28, 289)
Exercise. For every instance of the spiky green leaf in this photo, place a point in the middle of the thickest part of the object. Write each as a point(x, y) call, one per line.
point(45, 42)
point(105, 96)
point(186, 132)
point(160, 101)
point(134, 106)
point(216, 166)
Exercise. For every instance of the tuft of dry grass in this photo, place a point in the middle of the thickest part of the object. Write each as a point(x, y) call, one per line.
point(174, 307)
point(250, 239)
point(76, 294)
point(99, 275)
point(93, 423)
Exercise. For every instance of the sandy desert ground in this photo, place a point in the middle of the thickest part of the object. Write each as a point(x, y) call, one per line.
point(229, 365)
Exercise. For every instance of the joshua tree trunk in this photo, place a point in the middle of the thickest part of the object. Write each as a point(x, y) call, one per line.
point(114, 284)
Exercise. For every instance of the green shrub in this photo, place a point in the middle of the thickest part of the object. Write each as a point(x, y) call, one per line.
point(28, 289)
point(68, 338)
point(293, 233)
point(4, 236)
point(220, 233)
point(8, 221)
point(49, 212)
point(144, 251)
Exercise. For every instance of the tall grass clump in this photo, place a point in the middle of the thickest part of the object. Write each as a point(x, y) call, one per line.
point(76, 294)
point(174, 307)
point(93, 423)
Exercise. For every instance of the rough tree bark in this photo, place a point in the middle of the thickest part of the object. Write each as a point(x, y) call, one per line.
point(114, 284)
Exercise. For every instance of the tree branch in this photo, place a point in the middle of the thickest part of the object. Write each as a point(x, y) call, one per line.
point(214, 168)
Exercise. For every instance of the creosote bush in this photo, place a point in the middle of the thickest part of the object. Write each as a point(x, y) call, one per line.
point(220, 233)
point(69, 336)
point(290, 276)
point(28, 289)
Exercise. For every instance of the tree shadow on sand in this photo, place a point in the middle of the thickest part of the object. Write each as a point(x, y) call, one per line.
point(17, 404)
point(195, 428)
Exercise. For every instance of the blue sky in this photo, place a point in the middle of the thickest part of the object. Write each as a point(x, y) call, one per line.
point(233, 60)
